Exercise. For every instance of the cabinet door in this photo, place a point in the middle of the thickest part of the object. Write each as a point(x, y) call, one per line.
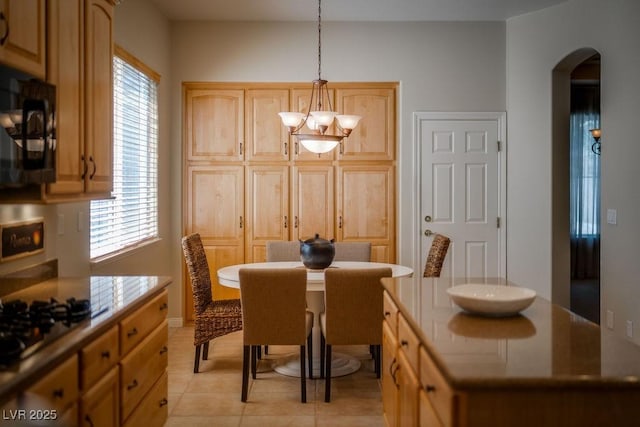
point(408, 392)
point(99, 407)
point(313, 202)
point(99, 96)
point(389, 372)
point(300, 102)
point(65, 69)
point(267, 200)
point(267, 138)
point(374, 137)
point(22, 43)
point(365, 210)
point(215, 209)
point(214, 123)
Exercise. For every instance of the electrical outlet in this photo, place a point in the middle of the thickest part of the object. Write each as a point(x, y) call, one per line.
point(609, 319)
point(629, 329)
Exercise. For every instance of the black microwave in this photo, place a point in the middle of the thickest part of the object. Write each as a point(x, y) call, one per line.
point(28, 129)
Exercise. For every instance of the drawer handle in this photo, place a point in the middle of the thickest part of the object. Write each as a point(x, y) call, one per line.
point(164, 349)
point(132, 332)
point(106, 354)
point(394, 371)
point(430, 388)
point(163, 402)
point(59, 393)
point(164, 306)
point(87, 418)
point(133, 385)
point(404, 343)
point(387, 313)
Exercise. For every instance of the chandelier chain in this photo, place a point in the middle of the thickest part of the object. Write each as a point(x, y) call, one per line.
point(319, 40)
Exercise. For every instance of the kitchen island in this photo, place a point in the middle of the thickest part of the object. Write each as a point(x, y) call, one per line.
point(543, 367)
point(110, 366)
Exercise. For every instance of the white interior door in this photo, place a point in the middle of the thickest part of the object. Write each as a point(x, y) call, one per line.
point(462, 190)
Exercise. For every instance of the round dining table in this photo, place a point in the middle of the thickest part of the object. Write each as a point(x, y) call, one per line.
point(342, 364)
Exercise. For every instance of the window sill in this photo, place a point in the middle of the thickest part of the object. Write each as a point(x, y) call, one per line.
point(123, 253)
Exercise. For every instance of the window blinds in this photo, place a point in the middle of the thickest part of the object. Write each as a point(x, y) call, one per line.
point(131, 217)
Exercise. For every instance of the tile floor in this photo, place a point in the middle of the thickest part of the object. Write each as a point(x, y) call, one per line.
point(212, 397)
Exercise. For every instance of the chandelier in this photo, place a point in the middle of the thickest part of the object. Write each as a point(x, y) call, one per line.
point(320, 114)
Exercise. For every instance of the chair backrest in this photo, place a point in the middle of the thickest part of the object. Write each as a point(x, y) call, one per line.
point(435, 258)
point(283, 250)
point(353, 305)
point(352, 251)
point(196, 259)
point(273, 305)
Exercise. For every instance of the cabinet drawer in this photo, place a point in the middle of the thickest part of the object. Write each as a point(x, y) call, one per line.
point(409, 342)
point(137, 326)
point(59, 387)
point(98, 357)
point(428, 416)
point(140, 369)
point(152, 411)
point(436, 388)
point(390, 312)
point(99, 405)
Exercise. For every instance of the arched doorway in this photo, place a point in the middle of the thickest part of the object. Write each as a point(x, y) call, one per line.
point(572, 250)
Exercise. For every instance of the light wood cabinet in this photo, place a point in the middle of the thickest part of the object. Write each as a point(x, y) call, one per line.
point(153, 410)
point(366, 207)
point(247, 181)
point(97, 358)
point(137, 326)
point(267, 205)
point(59, 388)
point(22, 35)
point(214, 124)
point(267, 139)
point(99, 406)
point(408, 392)
point(80, 52)
point(390, 389)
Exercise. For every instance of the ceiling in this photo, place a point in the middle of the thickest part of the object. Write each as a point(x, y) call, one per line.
point(348, 10)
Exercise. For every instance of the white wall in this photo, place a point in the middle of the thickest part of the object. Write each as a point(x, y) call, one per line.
point(440, 67)
point(535, 44)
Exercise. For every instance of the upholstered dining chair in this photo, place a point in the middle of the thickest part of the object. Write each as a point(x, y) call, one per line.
point(283, 250)
point(352, 251)
point(213, 319)
point(352, 315)
point(435, 258)
point(274, 311)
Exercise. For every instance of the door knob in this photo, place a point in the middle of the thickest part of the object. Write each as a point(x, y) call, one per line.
point(428, 232)
point(427, 218)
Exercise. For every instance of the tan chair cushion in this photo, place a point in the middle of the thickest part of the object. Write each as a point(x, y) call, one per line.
point(274, 306)
point(352, 251)
point(353, 306)
point(282, 250)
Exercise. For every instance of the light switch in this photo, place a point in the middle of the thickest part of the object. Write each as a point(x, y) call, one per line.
point(612, 216)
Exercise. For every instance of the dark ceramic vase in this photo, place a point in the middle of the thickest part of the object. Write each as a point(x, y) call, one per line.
point(317, 253)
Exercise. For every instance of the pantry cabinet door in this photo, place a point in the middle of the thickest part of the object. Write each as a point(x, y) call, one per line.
point(267, 138)
point(214, 124)
point(313, 202)
point(365, 211)
point(267, 201)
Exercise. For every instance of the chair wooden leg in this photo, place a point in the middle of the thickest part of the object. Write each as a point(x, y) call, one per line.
point(260, 352)
point(254, 362)
point(327, 380)
point(266, 349)
point(303, 382)
point(376, 358)
point(205, 351)
point(245, 372)
point(322, 354)
point(310, 355)
point(196, 362)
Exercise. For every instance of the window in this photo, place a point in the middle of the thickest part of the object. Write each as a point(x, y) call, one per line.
point(131, 217)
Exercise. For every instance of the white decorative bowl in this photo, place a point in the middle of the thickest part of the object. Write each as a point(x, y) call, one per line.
point(491, 300)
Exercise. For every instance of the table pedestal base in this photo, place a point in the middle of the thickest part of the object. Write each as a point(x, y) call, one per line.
point(341, 364)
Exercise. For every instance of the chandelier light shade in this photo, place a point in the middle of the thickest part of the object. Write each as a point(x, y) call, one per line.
point(596, 134)
point(320, 115)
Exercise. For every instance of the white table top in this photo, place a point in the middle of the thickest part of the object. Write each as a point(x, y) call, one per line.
point(229, 277)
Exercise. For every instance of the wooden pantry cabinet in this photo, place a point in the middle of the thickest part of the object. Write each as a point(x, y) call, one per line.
point(80, 65)
point(22, 35)
point(247, 181)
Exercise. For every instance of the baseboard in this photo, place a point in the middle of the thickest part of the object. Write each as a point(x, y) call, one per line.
point(175, 322)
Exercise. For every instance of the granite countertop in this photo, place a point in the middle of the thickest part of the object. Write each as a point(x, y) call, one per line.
point(113, 297)
point(545, 346)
